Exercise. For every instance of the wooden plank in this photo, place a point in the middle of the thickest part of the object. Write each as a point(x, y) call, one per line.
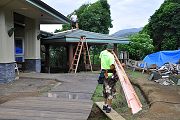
point(51, 109)
point(47, 104)
point(53, 106)
point(42, 114)
point(44, 107)
point(54, 99)
point(113, 115)
point(33, 118)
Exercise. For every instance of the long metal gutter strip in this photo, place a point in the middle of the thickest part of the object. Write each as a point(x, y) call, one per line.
point(130, 94)
point(43, 9)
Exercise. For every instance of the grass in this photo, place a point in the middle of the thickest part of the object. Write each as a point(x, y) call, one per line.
point(119, 103)
point(135, 74)
point(98, 96)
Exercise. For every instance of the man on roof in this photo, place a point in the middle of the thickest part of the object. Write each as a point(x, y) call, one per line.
point(74, 21)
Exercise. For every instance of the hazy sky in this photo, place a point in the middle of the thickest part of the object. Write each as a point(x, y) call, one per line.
point(124, 13)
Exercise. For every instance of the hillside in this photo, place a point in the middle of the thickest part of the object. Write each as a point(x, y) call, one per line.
point(126, 32)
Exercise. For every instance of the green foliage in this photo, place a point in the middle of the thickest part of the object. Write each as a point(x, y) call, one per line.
point(57, 30)
point(164, 26)
point(95, 52)
point(66, 27)
point(58, 56)
point(140, 45)
point(94, 17)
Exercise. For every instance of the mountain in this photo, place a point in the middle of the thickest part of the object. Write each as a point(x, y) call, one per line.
point(126, 32)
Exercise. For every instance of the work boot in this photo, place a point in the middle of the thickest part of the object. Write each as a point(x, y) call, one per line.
point(108, 110)
point(105, 107)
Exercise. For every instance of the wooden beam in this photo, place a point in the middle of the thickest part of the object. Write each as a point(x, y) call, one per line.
point(113, 115)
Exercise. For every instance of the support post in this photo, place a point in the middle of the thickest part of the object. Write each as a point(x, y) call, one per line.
point(70, 54)
point(47, 58)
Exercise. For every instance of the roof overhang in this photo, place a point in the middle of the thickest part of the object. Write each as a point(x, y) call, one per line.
point(91, 37)
point(35, 9)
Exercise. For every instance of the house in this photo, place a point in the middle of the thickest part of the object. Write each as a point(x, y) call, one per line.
point(20, 34)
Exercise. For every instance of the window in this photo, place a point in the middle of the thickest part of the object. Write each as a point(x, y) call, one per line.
point(19, 50)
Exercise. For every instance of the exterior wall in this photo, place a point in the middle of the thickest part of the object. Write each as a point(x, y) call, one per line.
point(33, 65)
point(6, 42)
point(7, 71)
point(32, 45)
point(7, 53)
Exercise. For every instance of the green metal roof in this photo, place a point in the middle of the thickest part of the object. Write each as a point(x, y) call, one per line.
point(91, 37)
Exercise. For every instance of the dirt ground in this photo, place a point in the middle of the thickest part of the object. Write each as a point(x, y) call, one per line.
point(164, 101)
point(24, 88)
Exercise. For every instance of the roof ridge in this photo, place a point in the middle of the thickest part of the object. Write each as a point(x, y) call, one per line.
point(105, 35)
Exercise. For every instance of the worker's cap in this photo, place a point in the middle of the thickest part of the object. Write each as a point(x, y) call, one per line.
point(110, 46)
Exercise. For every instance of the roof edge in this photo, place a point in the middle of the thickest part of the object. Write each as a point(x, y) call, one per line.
point(43, 6)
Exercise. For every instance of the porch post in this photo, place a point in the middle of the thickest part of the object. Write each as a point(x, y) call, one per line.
point(7, 59)
point(32, 45)
point(47, 58)
point(70, 54)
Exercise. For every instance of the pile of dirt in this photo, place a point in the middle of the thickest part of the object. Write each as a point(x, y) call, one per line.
point(164, 101)
point(24, 88)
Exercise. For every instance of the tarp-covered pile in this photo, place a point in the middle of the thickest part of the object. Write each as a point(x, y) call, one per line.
point(162, 57)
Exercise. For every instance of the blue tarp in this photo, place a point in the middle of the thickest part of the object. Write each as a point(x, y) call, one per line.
point(159, 58)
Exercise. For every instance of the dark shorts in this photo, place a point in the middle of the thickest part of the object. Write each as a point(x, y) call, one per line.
point(73, 24)
point(109, 88)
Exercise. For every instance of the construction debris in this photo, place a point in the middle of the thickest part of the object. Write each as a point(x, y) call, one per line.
point(165, 75)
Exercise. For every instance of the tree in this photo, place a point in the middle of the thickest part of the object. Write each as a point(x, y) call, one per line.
point(140, 45)
point(57, 30)
point(94, 17)
point(164, 26)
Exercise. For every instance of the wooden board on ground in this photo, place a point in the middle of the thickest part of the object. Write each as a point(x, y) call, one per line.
point(113, 115)
point(44, 108)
